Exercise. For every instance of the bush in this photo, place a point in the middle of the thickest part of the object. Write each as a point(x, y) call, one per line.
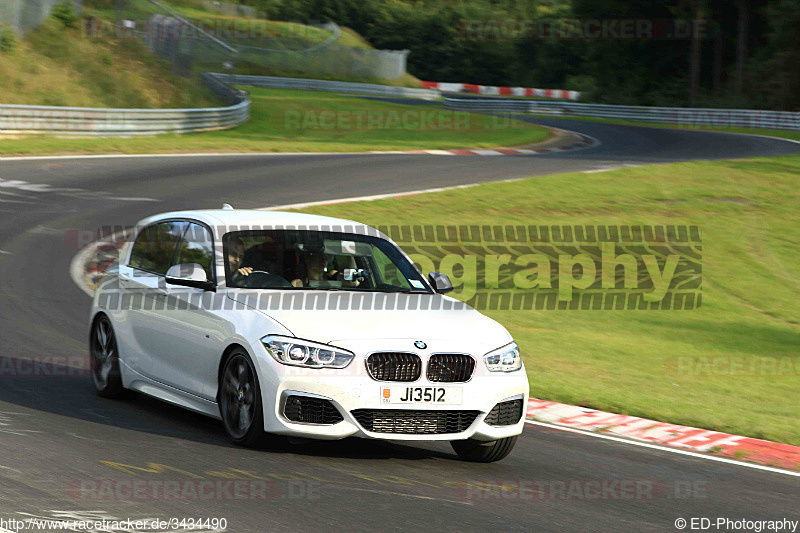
point(582, 83)
point(64, 12)
point(7, 38)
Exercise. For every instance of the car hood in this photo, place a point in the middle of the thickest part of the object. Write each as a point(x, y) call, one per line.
point(425, 317)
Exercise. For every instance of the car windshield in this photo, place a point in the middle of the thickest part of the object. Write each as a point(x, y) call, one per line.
point(317, 260)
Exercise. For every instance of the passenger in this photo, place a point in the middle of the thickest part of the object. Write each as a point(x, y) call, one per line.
point(315, 263)
point(316, 269)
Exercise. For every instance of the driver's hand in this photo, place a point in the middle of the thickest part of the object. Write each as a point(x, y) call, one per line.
point(245, 271)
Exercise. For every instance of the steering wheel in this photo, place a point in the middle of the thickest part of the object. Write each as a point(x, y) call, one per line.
point(261, 279)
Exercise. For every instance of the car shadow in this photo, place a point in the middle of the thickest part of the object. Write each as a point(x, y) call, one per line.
point(66, 390)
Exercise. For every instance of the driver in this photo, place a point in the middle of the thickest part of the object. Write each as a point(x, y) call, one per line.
point(236, 272)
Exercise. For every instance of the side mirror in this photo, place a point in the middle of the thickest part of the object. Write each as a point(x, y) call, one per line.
point(440, 282)
point(189, 275)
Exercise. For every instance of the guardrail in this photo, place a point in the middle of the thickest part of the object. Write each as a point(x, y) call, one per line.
point(747, 118)
point(58, 120)
point(325, 85)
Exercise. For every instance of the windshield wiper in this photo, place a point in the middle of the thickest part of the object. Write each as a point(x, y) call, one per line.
point(403, 290)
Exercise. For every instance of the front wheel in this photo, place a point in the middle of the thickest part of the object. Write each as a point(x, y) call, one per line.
point(240, 401)
point(484, 452)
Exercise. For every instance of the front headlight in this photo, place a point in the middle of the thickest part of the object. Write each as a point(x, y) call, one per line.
point(505, 359)
point(307, 354)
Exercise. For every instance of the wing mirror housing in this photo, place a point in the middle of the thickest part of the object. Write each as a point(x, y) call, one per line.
point(440, 282)
point(189, 275)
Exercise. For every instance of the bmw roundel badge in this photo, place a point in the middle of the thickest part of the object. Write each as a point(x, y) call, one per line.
point(421, 345)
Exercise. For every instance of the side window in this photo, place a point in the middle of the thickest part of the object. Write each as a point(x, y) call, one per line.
point(197, 247)
point(142, 248)
point(155, 246)
point(387, 269)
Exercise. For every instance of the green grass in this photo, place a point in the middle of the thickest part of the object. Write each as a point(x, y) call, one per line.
point(242, 31)
point(284, 120)
point(194, 11)
point(625, 361)
point(54, 65)
point(60, 66)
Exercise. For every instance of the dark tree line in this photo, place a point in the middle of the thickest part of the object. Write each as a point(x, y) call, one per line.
point(747, 54)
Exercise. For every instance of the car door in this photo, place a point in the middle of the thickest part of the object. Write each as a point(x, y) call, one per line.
point(190, 332)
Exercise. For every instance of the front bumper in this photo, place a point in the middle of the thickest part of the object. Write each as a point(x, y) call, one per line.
point(353, 389)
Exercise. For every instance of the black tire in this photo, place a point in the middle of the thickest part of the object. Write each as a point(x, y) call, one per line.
point(240, 400)
point(484, 452)
point(104, 357)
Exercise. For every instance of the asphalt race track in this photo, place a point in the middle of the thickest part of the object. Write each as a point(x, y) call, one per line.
point(63, 449)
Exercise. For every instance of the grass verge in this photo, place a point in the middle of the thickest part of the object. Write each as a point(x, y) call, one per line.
point(624, 361)
point(193, 10)
point(54, 65)
point(308, 121)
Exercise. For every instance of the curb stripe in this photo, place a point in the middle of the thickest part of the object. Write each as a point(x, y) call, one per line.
point(667, 449)
point(631, 429)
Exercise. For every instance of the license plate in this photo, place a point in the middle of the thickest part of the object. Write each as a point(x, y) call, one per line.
point(422, 395)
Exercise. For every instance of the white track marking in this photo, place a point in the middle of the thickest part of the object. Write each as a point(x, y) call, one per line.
point(71, 192)
point(407, 495)
point(385, 196)
point(667, 449)
point(420, 151)
point(366, 198)
point(132, 199)
point(278, 154)
point(609, 168)
point(4, 201)
point(12, 469)
point(149, 156)
point(764, 136)
point(14, 194)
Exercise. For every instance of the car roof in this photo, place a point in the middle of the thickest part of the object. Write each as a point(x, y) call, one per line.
point(240, 219)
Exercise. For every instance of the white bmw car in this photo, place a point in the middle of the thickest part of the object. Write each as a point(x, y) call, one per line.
point(303, 326)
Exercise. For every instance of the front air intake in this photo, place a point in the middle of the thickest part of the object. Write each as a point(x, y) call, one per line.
point(505, 413)
point(311, 410)
point(414, 422)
